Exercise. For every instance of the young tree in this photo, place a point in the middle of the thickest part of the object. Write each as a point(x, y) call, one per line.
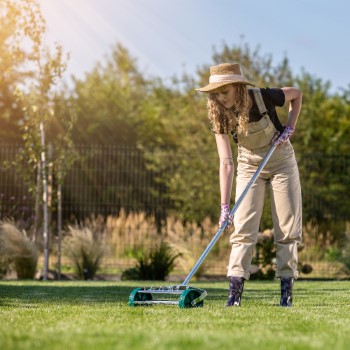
point(12, 60)
point(33, 79)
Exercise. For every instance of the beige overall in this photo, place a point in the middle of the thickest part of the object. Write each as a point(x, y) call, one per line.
point(281, 176)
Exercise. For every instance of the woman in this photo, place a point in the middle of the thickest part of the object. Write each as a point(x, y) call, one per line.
point(249, 115)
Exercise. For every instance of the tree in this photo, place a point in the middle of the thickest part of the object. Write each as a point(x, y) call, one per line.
point(32, 81)
point(12, 60)
point(108, 101)
point(31, 75)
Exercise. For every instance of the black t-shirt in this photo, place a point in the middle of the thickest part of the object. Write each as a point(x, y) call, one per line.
point(272, 98)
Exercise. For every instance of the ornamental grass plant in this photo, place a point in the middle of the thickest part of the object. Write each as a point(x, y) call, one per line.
point(17, 251)
point(85, 248)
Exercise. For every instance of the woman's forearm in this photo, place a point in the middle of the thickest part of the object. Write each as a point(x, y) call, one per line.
point(226, 166)
point(226, 179)
point(294, 111)
point(294, 96)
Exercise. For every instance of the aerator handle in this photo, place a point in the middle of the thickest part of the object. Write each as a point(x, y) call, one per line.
point(221, 229)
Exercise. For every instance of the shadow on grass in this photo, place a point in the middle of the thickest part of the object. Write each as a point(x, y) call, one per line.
point(35, 293)
point(70, 294)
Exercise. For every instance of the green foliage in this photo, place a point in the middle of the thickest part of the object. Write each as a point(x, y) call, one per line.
point(155, 266)
point(265, 256)
point(324, 181)
point(32, 72)
point(116, 104)
point(264, 260)
point(108, 101)
point(17, 251)
point(341, 252)
point(85, 249)
point(322, 148)
point(13, 59)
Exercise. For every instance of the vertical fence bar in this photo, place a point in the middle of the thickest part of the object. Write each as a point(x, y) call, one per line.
point(45, 208)
point(59, 221)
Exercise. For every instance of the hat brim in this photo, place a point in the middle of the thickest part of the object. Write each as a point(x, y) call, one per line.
point(213, 86)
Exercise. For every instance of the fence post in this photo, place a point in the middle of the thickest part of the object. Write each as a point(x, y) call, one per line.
point(45, 209)
point(59, 221)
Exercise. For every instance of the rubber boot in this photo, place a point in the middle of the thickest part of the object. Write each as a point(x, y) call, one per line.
point(286, 291)
point(235, 291)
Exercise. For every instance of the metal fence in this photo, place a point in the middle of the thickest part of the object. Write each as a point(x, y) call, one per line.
point(16, 201)
point(106, 179)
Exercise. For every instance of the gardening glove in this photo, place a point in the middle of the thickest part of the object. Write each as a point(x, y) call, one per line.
point(225, 215)
point(279, 138)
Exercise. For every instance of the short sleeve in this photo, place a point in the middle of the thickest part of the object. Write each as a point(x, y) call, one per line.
point(274, 95)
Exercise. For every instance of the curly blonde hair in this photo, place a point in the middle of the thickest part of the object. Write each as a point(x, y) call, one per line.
point(225, 120)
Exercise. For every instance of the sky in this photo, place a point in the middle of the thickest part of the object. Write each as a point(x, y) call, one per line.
point(169, 37)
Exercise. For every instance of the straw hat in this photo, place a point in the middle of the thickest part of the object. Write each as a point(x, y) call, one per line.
point(223, 74)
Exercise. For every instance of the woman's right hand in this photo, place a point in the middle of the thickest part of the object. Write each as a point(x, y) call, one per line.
point(225, 216)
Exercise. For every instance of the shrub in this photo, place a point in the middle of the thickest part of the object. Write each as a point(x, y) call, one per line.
point(265, 258)
point(17, 251)
point(341, 253)
point(265, 254)
point(321, 239)
point(86, 250)
point(155, 266)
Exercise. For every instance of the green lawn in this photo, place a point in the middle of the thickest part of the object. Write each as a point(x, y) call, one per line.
point(95, 315)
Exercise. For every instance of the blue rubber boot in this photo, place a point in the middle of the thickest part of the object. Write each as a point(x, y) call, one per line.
point(235, 291)
point(287, 291)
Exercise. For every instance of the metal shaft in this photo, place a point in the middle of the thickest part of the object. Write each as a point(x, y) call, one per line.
point(221, 229)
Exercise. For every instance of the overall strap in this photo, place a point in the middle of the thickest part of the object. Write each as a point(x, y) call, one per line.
point(259, 101)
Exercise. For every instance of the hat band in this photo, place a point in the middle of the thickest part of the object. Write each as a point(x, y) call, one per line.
point(225, 77)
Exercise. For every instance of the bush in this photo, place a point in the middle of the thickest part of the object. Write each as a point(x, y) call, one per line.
point(341, 253)
point(86, 250)
point(17, 251)
point(264, 259)
point(156, 266)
